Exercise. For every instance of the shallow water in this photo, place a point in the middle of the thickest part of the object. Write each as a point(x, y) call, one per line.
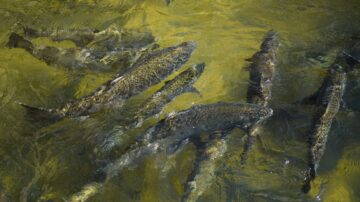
point(40, 163)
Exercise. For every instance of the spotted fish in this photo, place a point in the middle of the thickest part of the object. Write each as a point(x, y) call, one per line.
point(109, 39)
point(329, 99)
point(262, 71)
point(80, 58)
point(203, 174)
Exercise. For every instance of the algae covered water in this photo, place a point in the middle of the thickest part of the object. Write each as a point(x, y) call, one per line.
point(52, 162)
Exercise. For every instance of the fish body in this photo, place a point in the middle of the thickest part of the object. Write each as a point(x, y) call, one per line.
point(262, 71)
point(78, 58)
point(203, 174)
point(109, 39)
point(329, 99)
point(172, 88)
point(219, 116)
point(81, 37)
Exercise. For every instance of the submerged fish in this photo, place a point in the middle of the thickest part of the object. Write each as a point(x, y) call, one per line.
point(146, 72)
point(262, 71)
point(172, 88)
point(110, 39)
point(219, 116)
point(203, 174)
point(329, 99)
point(71, 58)
point(184, 124)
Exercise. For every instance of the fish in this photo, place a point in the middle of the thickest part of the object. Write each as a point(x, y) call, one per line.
point(109, 39)
point(203, 174)
point(329, 100)
point(181, 125)
point(70, 58)
point(146, 72)
point(172, 88)
point(220, 116)
point(262, 70)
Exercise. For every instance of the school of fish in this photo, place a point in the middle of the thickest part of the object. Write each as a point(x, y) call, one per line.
point(139, 64)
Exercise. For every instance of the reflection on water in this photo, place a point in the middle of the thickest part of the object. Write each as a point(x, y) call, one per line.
point(53, 162)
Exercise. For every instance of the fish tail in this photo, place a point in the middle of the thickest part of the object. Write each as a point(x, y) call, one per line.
point(41, 114)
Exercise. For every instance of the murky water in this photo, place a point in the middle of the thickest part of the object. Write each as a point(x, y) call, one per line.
point(41, 163)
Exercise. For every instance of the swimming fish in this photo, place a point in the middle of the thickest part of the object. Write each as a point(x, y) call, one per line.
point(329, 100)
point(177, 127)
point(70, 58)
point(219, 116)
point(262, 71)
point(109, 39)
point(203, 174)
point(147, 71)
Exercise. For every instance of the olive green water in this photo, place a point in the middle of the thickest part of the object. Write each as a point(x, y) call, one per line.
point(38, 164)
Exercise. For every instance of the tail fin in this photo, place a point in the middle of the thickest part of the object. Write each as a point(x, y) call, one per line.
point(41, 114)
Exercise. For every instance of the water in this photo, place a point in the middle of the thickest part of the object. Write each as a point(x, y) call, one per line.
point(37, 164)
